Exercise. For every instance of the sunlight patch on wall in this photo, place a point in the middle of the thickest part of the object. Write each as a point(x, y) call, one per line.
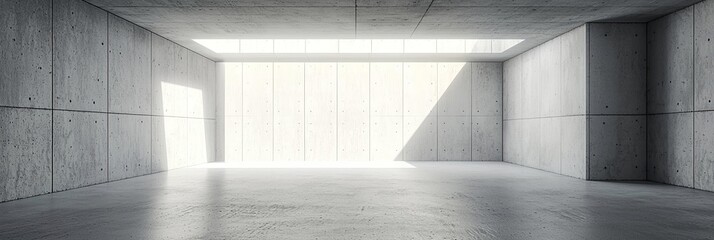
point(197, 136)
point(185, 139)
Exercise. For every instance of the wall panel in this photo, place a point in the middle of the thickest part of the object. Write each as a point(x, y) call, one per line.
point(573, 150)
point(229, 80)
point(201, 141)
point(454, 84)
point(25, 153)
point(229, 111)
point(80, 63)
point(486, 138)
point(80, 149)
point(704, 56)
point(258, 112)
point(386, 138)
point(169, 148)
point(353, 106)
point(420, 136)
point(195, 84)
point(617, 147)
point(321, 111)
point(420, 89)
point(670, 72)
point(573, 77)
point(549, 79)
point(129, 67)
point(289, 115)
point(617, 68)
point(670, 150)
point(486, 89)
point(26, 55)
point(704, 151)
point(169, 78)
point(229, 132)
point(129, 146)
point(550, 144)
point(386, 89)
point(454, 140)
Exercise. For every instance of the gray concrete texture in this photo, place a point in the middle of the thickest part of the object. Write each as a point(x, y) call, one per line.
point(573, 146)
point(25, 153)
point(129, 67)
point(129, 146)
point(679, 124)
point(558, 94)
point(620, 85)
point(79, 143)
point(670, 63)
point(617, 147)
point(80, 63)
point(670, 148)
point(201, 87)
point(704, 151)
point(25, 53)
point(360, 111)
point(434, 200)
point(169, 78)
point(487, 138)
point(704, 56)
point(541, 100)
point(617, 100)
point(182, 21)
point(617, 68)
point(486, 89)
point(573, 77)
point(102, 63)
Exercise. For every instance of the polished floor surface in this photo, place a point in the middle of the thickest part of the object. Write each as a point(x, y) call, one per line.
point(460, 200)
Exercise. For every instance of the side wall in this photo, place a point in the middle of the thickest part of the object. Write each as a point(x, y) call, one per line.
point(575, 105)
point(545, 106)
point(680, 89)
point(82, 103)
point(351, 111)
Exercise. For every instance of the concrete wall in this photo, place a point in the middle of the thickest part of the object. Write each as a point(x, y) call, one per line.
point(679, 98)
point(545, 106)
point(77, 102)
point(575, 105)
point(617, 101)
point(352, 111)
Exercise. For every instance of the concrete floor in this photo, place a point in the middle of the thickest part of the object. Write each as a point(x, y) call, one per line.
point(455, 200)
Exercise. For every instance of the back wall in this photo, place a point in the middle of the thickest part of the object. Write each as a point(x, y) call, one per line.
point(359, 111)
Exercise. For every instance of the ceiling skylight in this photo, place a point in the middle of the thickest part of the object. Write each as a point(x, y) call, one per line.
point(347, 46)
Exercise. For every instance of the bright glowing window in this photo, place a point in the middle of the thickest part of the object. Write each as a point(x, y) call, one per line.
point(220, 45)
point(289, 45)
point(503, 45)
point(355, 46)
point(256, 46)
point(321, 46)
point(387, 46)
point(347, 46)
point(420, 46)
point(450, 46)
point(479, 46)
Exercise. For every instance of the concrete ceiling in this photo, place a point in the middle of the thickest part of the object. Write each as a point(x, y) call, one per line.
point(534, 20)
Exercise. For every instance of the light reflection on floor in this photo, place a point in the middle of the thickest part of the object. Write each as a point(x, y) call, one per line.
point(309, 164)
